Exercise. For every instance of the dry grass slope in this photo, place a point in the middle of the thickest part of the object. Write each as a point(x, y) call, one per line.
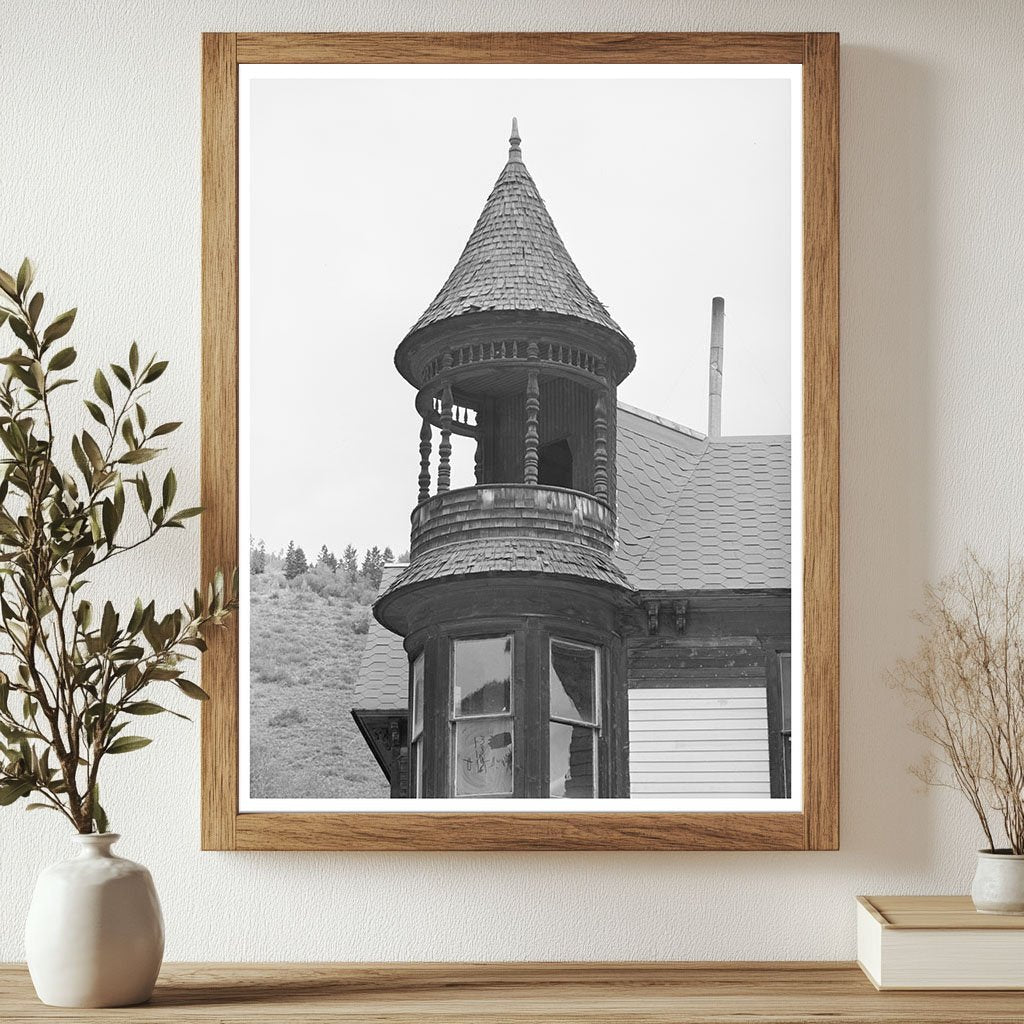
point(307, 637)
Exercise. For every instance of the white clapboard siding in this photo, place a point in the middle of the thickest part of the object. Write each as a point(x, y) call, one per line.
point(701, 742)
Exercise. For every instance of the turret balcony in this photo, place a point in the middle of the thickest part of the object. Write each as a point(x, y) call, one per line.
point(504, 512)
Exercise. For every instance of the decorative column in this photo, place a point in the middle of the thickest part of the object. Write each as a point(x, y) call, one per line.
point(601, 443)
point(478, 460)
point(444, 449)
point(426, 436)
point(531, 458)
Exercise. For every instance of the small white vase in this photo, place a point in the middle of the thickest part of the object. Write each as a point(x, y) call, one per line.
point(999, 883)
point(95, 934)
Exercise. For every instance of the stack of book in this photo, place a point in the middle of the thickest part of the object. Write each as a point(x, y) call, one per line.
point(938, 942)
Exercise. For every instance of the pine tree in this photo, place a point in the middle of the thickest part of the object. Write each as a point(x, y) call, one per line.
point(388, 557)
point(373, 563)
point(327, 559)
point(294, 561)
point(350, 561)
point(257, 558)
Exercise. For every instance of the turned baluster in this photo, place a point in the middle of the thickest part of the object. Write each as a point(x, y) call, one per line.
point(444, 449)
point(531, 458)
point(426, 437)
point(601, 444)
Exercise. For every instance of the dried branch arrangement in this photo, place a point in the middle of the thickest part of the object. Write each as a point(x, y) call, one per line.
point(80, 671)
point(967, 683)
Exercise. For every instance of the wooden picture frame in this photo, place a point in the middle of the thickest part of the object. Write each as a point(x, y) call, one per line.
point(816, 827)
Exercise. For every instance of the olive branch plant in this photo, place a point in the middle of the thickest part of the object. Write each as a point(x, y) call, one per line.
point(80, 674)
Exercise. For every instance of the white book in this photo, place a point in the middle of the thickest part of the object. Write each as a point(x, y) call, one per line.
point(938, 942)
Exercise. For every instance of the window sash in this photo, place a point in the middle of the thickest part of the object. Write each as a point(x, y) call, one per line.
point(454, 733)
point(595, 723)
point(457, 696)
point(457, 717)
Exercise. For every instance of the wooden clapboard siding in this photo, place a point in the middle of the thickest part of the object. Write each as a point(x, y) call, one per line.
point(686, 742)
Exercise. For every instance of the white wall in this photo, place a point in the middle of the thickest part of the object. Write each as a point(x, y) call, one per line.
point(99, 181)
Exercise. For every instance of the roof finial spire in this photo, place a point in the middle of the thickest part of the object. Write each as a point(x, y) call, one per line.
point(515, 154)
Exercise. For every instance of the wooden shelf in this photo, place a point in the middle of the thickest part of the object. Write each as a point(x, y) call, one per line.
point(793, 993)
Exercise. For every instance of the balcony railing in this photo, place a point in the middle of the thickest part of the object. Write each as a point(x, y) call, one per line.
point(531, 513)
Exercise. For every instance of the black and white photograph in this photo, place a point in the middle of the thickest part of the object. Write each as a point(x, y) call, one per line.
point(519, 379)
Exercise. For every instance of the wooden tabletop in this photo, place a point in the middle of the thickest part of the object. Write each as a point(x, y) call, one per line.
point(664, 993)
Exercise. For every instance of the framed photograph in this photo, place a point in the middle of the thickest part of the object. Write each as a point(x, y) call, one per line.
point(520, 416)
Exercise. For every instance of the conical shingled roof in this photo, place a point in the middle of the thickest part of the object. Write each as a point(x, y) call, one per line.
point(515, 260)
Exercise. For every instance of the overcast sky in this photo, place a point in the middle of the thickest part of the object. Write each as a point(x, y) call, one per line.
point(363, 194)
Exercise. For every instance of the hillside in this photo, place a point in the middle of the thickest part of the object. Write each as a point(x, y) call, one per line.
point(307, 637)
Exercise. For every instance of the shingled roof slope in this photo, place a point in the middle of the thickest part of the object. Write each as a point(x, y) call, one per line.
point(720, 521)
point(484, 556)
point(516, 260)
point(654, 458)
point(382, 684)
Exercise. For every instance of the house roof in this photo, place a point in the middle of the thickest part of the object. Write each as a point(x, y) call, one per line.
point(515, 260)
point(654, 458)
point(384, 670)
point(482, 556)
point(701, 513)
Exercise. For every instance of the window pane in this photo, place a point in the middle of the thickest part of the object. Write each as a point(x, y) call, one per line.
point(572, 678)
point(483, 757)
point(417, 696)
point(572, 761)
point(483, 676)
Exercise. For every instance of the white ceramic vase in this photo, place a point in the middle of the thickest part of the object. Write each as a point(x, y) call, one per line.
point(95, 934)
point(999, 883)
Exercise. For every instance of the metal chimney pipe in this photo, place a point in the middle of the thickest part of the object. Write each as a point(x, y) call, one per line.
point(715, 374)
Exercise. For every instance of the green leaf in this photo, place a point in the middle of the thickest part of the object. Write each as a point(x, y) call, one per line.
point(133, 358)
point(80, 458)
point(109, 521)
point(60, 326)
point(147, 707)
point(96, 412)
point(102, 388)
point(185, 513)
point(108, 625)
point(165, 428)
point(92, 449)
point(145, 497)
point(8, 284)
point(140, 415)
point(14, 790)
point(99, 816)
point(170, 488)
point(126, 744)
point(191, 690)
point(26, 274)
point(34, 308)
point(63, 359)
point(154, 371)
point(40, 807)
point(20, 329)
point(121, 374)
point(128, 433)
point(139, 455)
